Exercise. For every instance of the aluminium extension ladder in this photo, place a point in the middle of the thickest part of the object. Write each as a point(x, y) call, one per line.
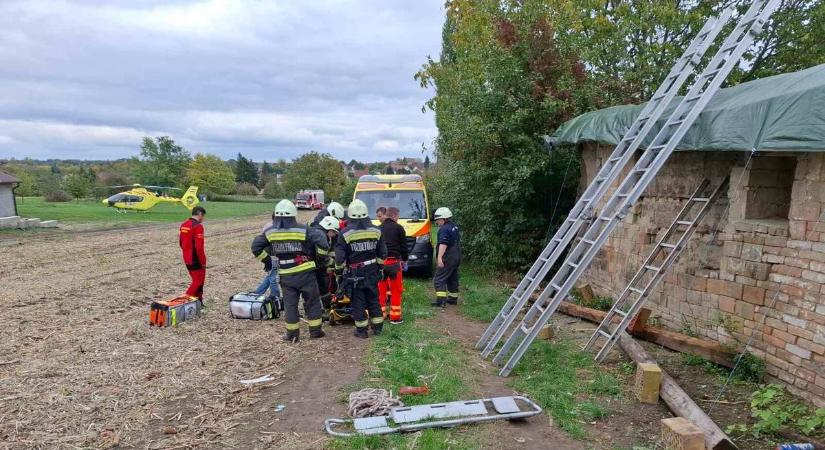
point(631, 188)
point(607, 174)
point(653, 269)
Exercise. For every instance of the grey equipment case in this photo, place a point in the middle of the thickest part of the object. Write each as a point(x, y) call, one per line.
point(249, 305)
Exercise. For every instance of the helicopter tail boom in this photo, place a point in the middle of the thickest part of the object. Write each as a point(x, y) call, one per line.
point(190, 198)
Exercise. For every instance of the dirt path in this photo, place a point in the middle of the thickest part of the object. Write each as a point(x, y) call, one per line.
point(80, 367)
point(534, 433)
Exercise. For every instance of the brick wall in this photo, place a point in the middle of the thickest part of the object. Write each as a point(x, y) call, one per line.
point(756, 264)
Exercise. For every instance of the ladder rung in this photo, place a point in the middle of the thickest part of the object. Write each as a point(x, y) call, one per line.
point(701, 199)
point(684, 222)
point(525, 330)
point(676, 122)
point(600, 179)
point(572, 219)
point(557, 239)
point(653, 268)
point(629, 138)
point(604, 333)
point(622, 195)
point(711, 73)
point(694, 98)
point(572, 264)
point(618, 158)
point(657, 147)
point(620, 312)
point(636, 290)
point(605, 218)
point(640, 170)
point(588, 242)
point(555, 286)
point(667, 245)
point(729, 47)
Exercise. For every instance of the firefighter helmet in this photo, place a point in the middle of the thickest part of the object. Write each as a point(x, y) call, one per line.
point(329, 223)
point(335, 209)
point(358, 210)
point(285, 208)
point(442, 213)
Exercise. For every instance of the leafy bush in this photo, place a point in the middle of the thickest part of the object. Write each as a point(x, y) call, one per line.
point(273, 190)
point(58, 196)
point(751, 368)
point(245, 189)
point(238, 198)
point(773, 410)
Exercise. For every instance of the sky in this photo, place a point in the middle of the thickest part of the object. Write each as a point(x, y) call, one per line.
point(88, 79)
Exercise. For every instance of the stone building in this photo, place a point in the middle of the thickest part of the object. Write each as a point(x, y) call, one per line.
point(8, 205)
point(755, 268)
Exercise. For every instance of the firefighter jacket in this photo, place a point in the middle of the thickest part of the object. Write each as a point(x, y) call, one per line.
point(191, 244)
point(448, 235)
point(360, 243)
point(326, 258)
point(262, 244)
point(396, 239)
point(295, 246)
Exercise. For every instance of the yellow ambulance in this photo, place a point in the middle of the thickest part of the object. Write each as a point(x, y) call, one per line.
point(408, 194)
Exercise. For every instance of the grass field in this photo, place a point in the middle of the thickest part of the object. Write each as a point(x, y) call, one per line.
point(92, 211)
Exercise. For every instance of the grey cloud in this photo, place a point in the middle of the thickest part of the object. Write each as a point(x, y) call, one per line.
point(82, 78)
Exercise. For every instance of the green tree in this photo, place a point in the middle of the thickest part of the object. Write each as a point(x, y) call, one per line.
point(77, 184)
point(246, 171)
point(211, 174)
point(27, 177)
point(274, 190)
point(162, 162)
point(503, 81)
point(348, 192)
point(314, 170)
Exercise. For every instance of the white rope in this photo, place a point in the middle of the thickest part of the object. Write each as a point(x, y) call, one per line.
point(371, 402)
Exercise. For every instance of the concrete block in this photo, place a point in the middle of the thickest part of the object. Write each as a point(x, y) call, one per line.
point(679, 433)
point(648, 382)
point(9, 222)
point(49, 224)
point(30, 223)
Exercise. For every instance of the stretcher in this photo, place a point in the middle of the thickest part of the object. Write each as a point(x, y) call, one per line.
point(439, 415)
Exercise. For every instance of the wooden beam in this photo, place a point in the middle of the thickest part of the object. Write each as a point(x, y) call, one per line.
point(710, 350)
point(678, 400)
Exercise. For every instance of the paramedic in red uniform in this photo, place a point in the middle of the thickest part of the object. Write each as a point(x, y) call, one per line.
point(194, 255)
point(397, 252)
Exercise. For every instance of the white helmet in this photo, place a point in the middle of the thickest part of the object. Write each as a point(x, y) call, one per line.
point(358, 210)
point(329, 223)
point(335, 209)
point(443, 213)
point(285, 208)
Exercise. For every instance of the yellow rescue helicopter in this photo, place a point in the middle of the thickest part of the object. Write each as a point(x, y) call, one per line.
point(141, 198)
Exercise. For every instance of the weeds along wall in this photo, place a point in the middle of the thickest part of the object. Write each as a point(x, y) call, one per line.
point(756, 263)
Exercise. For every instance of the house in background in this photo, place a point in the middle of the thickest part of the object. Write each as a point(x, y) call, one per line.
point(754, 271)
point(8, 204)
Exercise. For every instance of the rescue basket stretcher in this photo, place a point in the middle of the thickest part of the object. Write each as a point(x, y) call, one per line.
point(439, 415)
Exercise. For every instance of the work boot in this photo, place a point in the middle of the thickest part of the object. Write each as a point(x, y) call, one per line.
point(452, 300)
point(438, 302)
point(398, 321)
point(292, 336)
point(316, 332)
point(377, 328)
point(360, 332)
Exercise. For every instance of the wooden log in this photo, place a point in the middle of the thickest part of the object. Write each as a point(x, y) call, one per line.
point(678, 400)
point(639, 322)
point(712, 351)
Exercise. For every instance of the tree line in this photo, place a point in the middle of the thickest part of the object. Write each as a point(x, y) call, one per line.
point(512, 71)
point(163, 162)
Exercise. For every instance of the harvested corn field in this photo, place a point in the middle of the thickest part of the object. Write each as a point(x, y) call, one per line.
point(81, 367)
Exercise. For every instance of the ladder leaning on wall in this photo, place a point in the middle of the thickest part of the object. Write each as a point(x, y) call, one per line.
point(631, 188)
point(654, 267)
point(607, 174)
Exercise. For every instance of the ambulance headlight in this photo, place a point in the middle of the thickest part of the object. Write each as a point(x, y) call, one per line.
point(423, 239)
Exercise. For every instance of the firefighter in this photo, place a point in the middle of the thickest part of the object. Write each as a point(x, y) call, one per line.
point(334, 209)
point(296, 248)
point(325, 270)
point(397, 253)
point(360, 250)
point(194, 255)
point(448, 258)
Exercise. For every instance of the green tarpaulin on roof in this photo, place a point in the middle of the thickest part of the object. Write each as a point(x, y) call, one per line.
point(780, 113)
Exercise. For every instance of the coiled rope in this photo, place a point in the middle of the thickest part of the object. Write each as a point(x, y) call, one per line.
point(371, 402)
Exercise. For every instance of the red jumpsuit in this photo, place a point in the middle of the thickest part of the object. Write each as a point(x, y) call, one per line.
point(194, 256)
